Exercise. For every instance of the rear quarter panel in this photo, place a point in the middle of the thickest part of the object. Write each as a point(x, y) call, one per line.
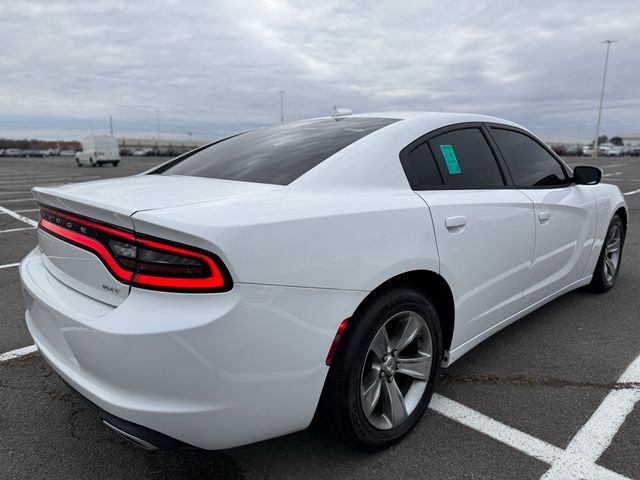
point(340, 240)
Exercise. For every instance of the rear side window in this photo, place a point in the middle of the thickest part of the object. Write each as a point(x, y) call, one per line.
point(466, 160)
point(276, 155)
point(530, 164)
point(420, 167)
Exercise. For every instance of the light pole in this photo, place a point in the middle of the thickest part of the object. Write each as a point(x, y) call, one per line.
point(604, 79)
point(158, 125)
point(281, 92)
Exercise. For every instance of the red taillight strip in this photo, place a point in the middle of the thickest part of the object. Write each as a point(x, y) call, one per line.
point(215, 280)
point(97, 226)
point(90, 244)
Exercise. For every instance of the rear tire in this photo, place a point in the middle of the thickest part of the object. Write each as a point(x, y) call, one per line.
point(610, 259)
point(383, 374)
point(78, 163)
point(115, 164)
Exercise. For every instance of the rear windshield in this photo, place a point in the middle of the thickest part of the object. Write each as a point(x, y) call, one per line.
point(276, 155)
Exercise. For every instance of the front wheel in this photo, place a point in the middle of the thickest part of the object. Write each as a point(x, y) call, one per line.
point(382, 376)
point(608, 266)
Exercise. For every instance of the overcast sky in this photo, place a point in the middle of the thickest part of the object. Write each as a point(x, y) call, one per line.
point(215, 67)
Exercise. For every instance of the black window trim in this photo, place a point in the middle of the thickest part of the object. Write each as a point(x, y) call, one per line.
point(563, 166)
point(502, 167)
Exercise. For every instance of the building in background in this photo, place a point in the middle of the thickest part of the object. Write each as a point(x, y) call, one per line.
point(630, 139)
point(153, 146)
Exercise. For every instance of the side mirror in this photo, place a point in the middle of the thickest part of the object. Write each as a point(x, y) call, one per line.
point(585, 175)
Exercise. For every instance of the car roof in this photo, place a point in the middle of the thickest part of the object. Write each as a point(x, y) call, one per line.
point(373, 161)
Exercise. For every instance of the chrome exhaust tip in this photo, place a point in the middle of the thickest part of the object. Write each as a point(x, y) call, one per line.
point(132, 438)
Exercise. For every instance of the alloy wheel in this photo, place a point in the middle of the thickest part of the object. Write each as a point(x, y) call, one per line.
point(612, 253)
point(396, 370)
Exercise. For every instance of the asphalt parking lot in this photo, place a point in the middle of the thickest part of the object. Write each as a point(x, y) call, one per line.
point(544, 397)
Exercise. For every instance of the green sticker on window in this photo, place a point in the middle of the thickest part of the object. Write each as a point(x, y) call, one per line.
point(450, 159)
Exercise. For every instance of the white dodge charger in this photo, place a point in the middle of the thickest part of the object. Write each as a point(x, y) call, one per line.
point(328, 266)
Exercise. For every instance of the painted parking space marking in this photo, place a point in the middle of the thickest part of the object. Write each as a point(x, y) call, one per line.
point(19, 352)
point(611, 174)
point(15, 192)
point(37, 177)
point(525, 443)
point(22, 229)
point(47, 181)
point(25, 210)
point(19, 200)
point(633, 192)
point(17, 216)
point(9, 265)
point(597, 434)
point(613, 165)
point(578, 460)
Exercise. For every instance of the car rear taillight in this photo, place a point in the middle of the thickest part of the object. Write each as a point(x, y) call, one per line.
point(140, 260)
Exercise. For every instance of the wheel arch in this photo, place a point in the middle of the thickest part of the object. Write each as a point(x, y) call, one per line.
point(433, 286)
point(622, 213)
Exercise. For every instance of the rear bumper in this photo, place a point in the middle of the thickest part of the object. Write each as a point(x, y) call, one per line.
point(209, 370)
point(141, 436)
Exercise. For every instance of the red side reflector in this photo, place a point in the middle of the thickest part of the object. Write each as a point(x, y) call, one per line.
point(336, 340)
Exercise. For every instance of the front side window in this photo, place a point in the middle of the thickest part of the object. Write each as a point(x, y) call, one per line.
point(466, 160)
point(277, 155)
point(530, 164)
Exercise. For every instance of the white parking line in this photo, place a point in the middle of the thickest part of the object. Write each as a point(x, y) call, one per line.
point(26, 210)
point(633, 192)
point(36, 176)
point(19, 352)
point(9, 265)
point(611, 174)
point(17, 216)
point(597, 434)
point(18, 200)
point(521, 441)
point(14, 192)
point(17, 229)
point(47, 181)
point(613, 165)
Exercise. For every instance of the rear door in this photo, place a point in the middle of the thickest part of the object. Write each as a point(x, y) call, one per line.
point(484, 228)
point(565, 213)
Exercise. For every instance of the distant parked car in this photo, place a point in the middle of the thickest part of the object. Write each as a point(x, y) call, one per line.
point(13, 152)
point(34, 154)
point(68, 153)
point(573, 151)
point(139, 153)
point(635, 152)
point(613, 152)
point(99, 150)
point(559, 149)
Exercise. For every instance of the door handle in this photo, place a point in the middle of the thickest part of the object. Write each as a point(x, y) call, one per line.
point(544, 216)
point(456, 222)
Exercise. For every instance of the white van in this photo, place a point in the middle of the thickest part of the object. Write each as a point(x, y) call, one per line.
point(99, 150)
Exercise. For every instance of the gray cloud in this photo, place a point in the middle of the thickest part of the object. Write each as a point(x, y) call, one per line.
point(216, 67)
